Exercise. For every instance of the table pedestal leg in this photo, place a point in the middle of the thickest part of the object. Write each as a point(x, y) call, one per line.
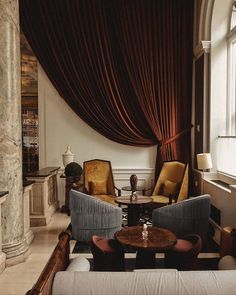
point(145, 259)
point(68, 187)
point(133, 215)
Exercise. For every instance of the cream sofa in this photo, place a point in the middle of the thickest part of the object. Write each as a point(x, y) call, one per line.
point(61, 276)
point(158, 282)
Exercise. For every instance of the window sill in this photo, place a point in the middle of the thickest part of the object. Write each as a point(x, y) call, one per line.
point(227, 136)
point(220, 186)
point(220, 180)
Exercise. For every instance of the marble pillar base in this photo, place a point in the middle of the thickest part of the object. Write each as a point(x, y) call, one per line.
point(2, 255)
point(18, 259)
point(16, 253)
point(27, 194)
point(29, 237)
point(2, 262)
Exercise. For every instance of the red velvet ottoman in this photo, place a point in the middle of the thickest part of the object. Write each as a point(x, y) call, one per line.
point(183, 256)
point(108, 254)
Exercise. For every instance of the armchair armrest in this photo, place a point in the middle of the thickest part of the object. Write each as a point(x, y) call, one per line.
point(173, 197)
point(85, 191)
point(148, 189)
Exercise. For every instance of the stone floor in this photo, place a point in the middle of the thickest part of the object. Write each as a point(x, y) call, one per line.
point(18, 279)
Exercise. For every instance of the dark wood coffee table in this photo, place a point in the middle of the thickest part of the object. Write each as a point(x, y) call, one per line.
point(133, 207)
point(159, 240)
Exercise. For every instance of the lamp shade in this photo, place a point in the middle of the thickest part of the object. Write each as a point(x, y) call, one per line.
point(204, 161)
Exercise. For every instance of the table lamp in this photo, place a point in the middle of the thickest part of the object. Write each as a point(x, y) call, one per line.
point(204, 162)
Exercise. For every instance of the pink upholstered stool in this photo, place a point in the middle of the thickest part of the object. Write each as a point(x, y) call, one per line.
point(108, 254)
point(183, 256)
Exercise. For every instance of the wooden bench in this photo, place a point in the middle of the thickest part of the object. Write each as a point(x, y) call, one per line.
point(58, 261)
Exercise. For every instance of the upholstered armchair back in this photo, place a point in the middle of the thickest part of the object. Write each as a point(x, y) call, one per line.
point(97, 171)
point(175, 172)
point(91, 216)
point(190, 216)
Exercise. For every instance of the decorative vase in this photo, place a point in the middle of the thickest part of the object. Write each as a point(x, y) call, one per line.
point(67, 157)
point(133, 182)
point(133, 197)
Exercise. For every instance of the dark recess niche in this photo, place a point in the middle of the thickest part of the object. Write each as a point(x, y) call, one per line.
point(29, 106)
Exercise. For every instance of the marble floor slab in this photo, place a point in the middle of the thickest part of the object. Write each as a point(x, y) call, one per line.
point(18, 279)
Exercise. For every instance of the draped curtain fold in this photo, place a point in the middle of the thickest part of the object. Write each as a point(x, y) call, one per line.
point(123, 66)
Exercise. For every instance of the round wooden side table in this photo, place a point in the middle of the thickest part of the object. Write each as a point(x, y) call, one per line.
point(158, 240)
point(133, 207)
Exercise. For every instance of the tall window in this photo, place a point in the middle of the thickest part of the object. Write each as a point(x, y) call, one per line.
point(226, 146)
point(231, 93)
point(233, 17)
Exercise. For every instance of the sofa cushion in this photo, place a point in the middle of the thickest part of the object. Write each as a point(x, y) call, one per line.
point(104, 245)
point(182, 246)
point(98, 187)
point(160, 199)
point(169, 188)
point(79, 264)
point(227, 262)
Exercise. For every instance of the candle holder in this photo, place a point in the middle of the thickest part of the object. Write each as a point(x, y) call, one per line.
point(133, 197)
point(145, 232)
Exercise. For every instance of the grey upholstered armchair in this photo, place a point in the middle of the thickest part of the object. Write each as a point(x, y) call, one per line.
point(91, 216)
point(190, 216)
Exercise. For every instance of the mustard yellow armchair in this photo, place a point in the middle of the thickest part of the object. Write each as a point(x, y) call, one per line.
point(99, 181)
point(172, 184)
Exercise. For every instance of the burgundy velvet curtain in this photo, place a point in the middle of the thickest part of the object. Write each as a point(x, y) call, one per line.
point(125, 67)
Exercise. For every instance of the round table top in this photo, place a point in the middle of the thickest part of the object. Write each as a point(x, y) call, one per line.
point(159, 239)
point(126, 200)
point(128, 188)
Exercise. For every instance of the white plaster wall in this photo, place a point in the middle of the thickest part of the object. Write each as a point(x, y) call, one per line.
point(59, 126)
point(218, 92)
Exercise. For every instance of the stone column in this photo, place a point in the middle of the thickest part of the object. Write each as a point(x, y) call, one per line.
point(2, 255)
point(13, 244)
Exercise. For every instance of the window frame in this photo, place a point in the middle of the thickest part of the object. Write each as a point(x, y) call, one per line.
point(231, 77)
